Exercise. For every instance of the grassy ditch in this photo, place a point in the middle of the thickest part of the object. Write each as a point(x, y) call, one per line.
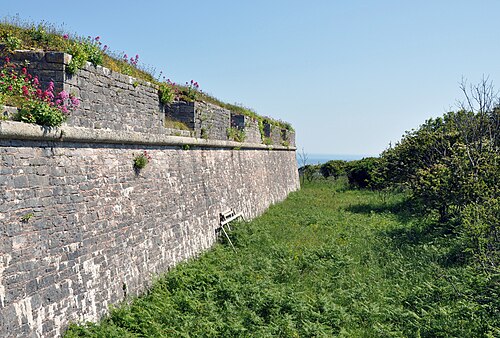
point(326, 262)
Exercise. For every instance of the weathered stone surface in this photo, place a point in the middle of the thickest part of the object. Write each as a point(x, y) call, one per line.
point(110, 100)
point(84, 224)
point(249, 125)
point(78, 224)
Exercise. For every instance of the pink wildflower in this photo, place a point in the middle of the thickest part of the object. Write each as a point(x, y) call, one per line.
point(63, 95)
point(75, 101)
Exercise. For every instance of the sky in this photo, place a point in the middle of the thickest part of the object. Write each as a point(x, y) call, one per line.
point(351, 76)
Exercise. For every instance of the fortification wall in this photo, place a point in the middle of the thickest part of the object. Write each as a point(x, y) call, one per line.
point(110, 100)
point(80, 229)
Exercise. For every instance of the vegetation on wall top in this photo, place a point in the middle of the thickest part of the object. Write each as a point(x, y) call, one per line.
point(16, 34)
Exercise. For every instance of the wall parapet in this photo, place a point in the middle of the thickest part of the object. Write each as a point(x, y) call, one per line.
point(23, 131)
point(111, 100)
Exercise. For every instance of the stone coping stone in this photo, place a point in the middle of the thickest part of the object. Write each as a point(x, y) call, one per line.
point(25, 131)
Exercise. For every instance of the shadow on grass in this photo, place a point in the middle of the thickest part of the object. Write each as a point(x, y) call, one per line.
point(402, 209)
point(418, 230)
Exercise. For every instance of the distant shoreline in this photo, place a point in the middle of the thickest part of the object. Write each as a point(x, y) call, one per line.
point(322, 158)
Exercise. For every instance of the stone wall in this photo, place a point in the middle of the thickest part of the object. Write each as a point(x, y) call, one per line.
point(249, 125)
point(80, 229)
point(206, 119)
point(110, 100)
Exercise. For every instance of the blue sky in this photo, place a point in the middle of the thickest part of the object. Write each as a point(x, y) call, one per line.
point(351, 76)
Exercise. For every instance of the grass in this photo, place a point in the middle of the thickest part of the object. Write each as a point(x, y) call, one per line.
point(326, 262)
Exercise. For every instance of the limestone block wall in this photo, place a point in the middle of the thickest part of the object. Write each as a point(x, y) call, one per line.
point(110, 100)
point(288, 137)
point(80, 229)
point(249, 125)
point(207, 120)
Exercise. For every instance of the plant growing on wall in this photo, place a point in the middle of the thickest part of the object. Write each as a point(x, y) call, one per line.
point(20, 89)
point(86, 49)
point(166, 92)
point(141, 160)
point(236, 134)
point(190, 92)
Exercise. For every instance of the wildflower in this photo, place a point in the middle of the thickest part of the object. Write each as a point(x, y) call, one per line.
point(74, 101)
point(24, 70)
point(25, 91)
point(63, 95)
point(97, 38)
point(7, 59)
point(9, 88)
point(65, 36)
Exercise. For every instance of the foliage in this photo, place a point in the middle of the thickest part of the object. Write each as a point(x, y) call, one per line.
point(26, 217)
point(19, 88)
point(190, 91)
point(309, 172)
point(166, 93)
point(347, 265)
point(142, 160)
point(11, 42)
point(333, 168)
point(83, 50)
point(236, 134)
point(173, 124)
point(450, 166)
point(362, 173)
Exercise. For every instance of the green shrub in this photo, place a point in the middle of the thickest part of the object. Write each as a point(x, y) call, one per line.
point(334, 168)
point(362, 173)
point(166, 92)
point(41, 113)
point(11, 42)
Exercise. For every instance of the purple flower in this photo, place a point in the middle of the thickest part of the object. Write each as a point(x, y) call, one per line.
point(74, 101)
point(63, 95)
point(65, 36)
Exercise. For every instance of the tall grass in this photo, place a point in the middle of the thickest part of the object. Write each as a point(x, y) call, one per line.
point(326, 262)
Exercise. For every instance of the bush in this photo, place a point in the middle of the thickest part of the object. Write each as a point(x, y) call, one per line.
point(363, 173)
point(334, 168)
point(450, 167)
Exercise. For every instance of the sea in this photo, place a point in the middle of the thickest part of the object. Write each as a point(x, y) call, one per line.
point(322, 158)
